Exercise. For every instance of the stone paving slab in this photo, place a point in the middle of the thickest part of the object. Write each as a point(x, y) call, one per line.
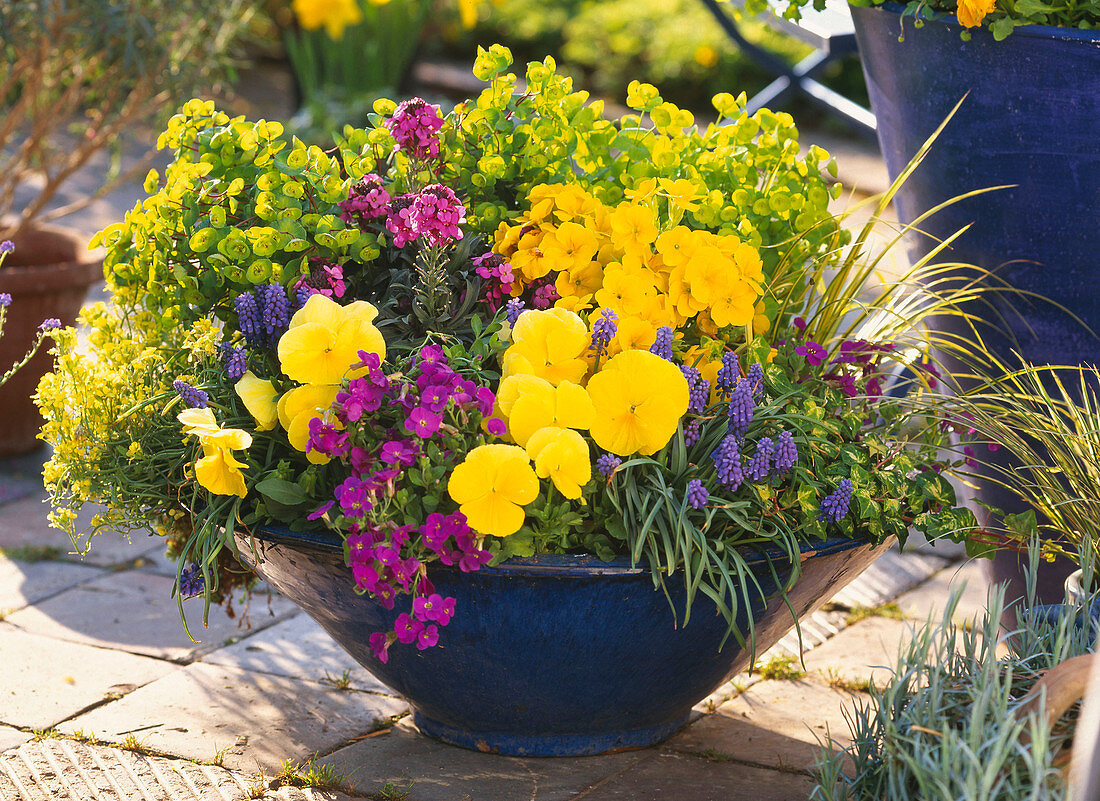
point(867, 651)
point(672, 776)
point(433, 771)
point(893, 574)
point(774, 724)
point(66, 769)
point(45, 681)
point(24, 523)
point(299, 648)
point(24, 583)
point(930, 598)
point(11, 738)
point(133, 611)
point(261, 719)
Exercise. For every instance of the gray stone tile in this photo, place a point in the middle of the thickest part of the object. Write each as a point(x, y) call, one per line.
point(866, 651)
point(45, 681)
point(776, 724)
point(298, 648)
point(261, 719)
point(930, 598)
point(24, 523)
point(23, 583)
point(673, 776)
point(434, 771)
point(11, 738)
point(133, 611)
point(891, 575)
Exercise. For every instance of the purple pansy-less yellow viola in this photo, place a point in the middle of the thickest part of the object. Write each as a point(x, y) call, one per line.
point(639, 399)
point(260, 398)
point(491, 486)
point(561, 455)
point(324, 340)
point(218, 470)
point(300, 405)
point(550, 344)
point(528, 403)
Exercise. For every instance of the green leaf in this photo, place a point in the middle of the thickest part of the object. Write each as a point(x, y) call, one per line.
point(285, 492)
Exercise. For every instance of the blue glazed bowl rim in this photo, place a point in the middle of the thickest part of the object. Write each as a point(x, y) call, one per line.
point(558, 564)
point(1035, 31)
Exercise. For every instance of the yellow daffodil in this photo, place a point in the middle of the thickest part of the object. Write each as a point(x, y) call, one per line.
point(218, 470)
point(561, 455)
point(324, 340)
point(491, 486)
point(298, 407)
point(528, 403)
point(334, 15)
point(260, 398)
point(550, 344)
point(639, 399)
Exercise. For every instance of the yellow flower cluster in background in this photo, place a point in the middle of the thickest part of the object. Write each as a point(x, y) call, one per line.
point(333, 15)
point(620, 258)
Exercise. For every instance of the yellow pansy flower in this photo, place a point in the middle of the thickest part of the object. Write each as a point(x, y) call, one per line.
point(972, 12)
point(218, 470)
point(639, 399)
point(570, 246)
point(580, 280)
point(681, 193)
point(491, 486)
point(528, 403)
point(324, 340)
point(561, 455)
point(550, 344)
point(298, 407)
point(334, 15)
point(260, 398)
point(633, 228)
point(676, 245)
point(735, 307)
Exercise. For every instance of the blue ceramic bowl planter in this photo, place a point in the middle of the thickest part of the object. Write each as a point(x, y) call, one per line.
point(551, 655)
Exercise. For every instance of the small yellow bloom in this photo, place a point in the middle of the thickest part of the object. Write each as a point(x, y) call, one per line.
point(260, 398)
point(491, 486)
point(324, 340)
point(570, 246)
point(334, 15)
point(298, 407)
point(972, 12)
point(218, 470)
point(550, 344)
point(639, 399)
point(681, 193)
point(561, 455)
point(528, 403)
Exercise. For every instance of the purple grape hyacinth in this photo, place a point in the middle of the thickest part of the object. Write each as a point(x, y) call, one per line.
point(698, 389)
point(697, 495)
point(786, 452)
point(662, 345)
point(760, 464)
point(192, 398)
point(603, 331)
point(741, 409)
point(835, 505)
point(608, 464)
point(235, 360)
point(727, 462)
point(191, 582)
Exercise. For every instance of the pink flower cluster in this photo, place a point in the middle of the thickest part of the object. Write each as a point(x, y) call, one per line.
point(434, 214)
point(368, 200)
point(379, 427)
point(497, 279)
point(415, 125)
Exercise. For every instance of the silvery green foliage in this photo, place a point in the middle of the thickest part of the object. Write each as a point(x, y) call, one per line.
point(944, 728)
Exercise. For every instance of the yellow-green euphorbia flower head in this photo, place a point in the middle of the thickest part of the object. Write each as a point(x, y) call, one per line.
point(218, 470)
point(324, 340)
point(491, 486)
point(639, 399)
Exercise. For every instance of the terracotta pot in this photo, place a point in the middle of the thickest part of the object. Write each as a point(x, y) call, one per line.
point(48, 275)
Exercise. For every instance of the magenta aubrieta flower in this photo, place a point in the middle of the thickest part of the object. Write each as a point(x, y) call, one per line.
point(544, 295)
point(434, 608)
point(380, 646)
point(423, 422)
point(496, 426)
point(361, 397)
point(428, 637)
point(436, 397)
point(814, 353)
point(415, 126)
point(407, 627)
point(353, 497)
point(327, 439)
point(399, 452)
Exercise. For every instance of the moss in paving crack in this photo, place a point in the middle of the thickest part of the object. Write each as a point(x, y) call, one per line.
point(713, 755)
point(391, 792)
point(33, 553)
point(310, 774)
point(786, 667)
point(383, 724)
point(341, 682)
point(838, 681)
point(890, 610)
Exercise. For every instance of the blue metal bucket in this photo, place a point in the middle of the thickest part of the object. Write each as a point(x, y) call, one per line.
point(551, 655)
